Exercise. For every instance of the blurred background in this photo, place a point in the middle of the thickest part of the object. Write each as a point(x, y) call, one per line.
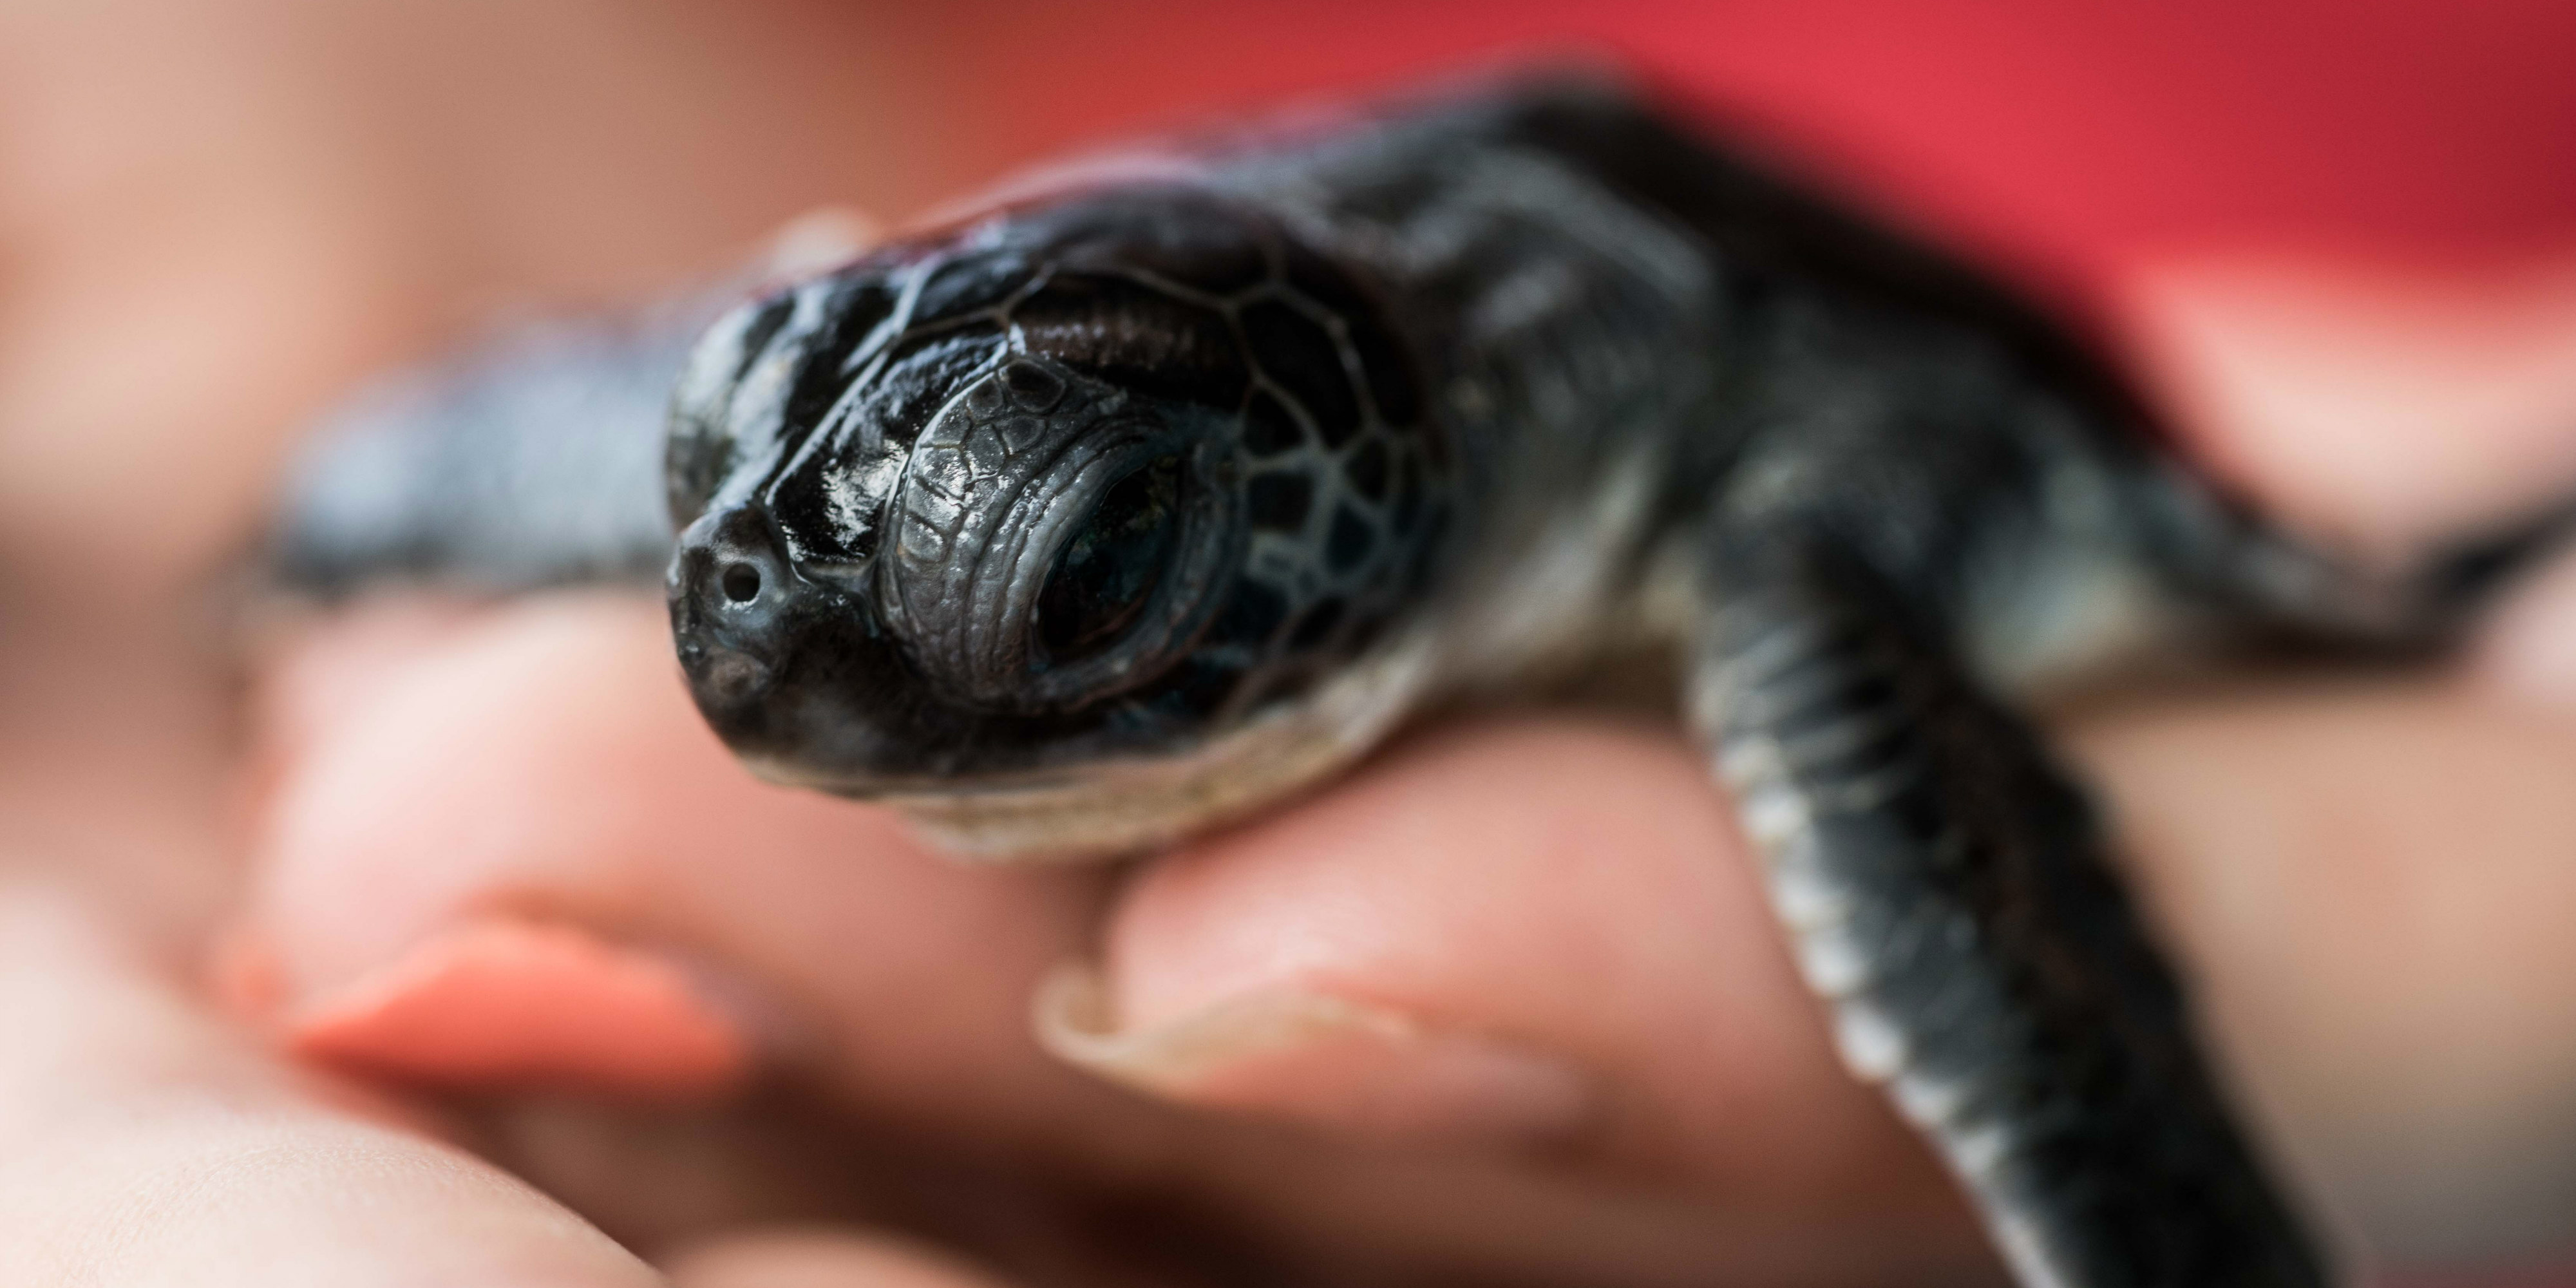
point(217, 218)
point(345, 184)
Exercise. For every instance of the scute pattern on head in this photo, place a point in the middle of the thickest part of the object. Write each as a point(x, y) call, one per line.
point(900, 428)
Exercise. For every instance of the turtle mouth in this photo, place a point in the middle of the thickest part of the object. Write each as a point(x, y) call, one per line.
point(729, 675)
point(1120, 805)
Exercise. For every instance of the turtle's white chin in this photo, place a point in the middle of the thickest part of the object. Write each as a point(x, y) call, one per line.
point(1121, 807)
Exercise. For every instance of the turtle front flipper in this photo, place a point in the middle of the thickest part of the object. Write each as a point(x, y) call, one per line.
point(532, 460)
point(1946, 890)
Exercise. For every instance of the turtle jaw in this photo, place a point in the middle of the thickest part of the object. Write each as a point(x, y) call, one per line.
point(1116, 806)
point(834, 718)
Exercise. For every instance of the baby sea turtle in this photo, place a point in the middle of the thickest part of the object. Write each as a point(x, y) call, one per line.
point(1143, 502)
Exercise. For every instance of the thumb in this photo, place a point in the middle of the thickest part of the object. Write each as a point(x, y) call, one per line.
point(141, 1141)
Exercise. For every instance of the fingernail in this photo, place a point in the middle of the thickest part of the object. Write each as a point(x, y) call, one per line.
point(504, 1004)
point(1345, 1065)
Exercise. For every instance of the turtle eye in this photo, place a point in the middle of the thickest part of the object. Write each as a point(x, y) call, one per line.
point(1108, 571)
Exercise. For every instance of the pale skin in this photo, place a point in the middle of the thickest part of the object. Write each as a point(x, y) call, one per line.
point(1510, 987)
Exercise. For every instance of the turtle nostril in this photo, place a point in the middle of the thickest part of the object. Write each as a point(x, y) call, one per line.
point(741, 583)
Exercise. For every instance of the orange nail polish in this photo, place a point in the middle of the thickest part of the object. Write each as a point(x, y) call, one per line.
point(519, 1005)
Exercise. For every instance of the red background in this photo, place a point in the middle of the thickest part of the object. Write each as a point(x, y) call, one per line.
point(2066, 138)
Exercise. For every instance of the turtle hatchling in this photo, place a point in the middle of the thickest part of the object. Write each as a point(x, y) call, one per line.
point(1152, 496)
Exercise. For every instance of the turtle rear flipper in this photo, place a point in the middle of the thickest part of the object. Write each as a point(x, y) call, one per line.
point(531, 460)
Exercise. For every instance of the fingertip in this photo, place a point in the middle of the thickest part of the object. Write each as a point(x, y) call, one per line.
point(1525, 930)
point(542, 740)
point(497, 1004)
point(545, 765)
point(2384, 403)
point(411, 778)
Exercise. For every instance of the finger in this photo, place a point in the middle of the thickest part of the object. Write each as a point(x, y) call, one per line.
point(2340, 869)
point(821, 1259)
point(521, 843)
point(2371, 880)
point(140, 1142)
point(2385, 404)
point(1539, 935)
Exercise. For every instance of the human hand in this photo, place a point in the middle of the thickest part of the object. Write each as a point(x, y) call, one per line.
point(150, 1143)
point(1514, 981)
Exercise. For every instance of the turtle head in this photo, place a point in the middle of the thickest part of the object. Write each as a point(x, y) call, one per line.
point(1069, 531)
